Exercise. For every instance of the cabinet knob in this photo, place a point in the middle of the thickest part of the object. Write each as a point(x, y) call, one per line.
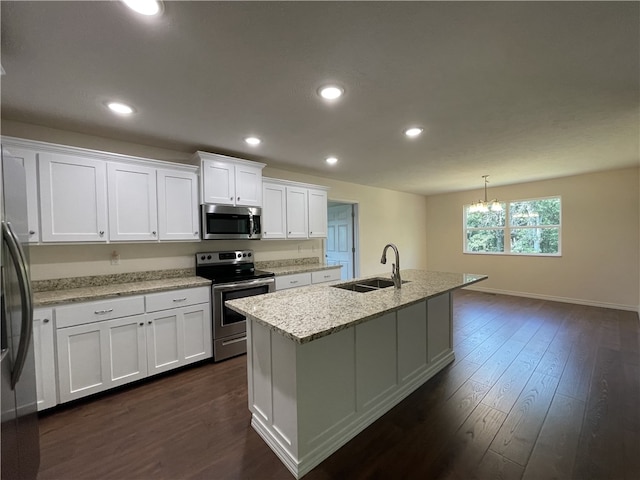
point(101, 233)
point(231, 198)
point(153, 233)
point(149, 322)
point(46, 320)
point(31, 232)
point(141, 324)
point(238, 198)
point(195, 233)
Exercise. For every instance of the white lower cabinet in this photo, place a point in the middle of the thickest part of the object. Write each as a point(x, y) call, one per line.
point(44, 352)
point(94, 356)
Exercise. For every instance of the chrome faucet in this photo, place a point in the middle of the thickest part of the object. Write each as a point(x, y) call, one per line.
point(395, 267)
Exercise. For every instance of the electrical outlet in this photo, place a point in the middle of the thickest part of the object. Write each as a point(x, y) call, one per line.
point(115, 258)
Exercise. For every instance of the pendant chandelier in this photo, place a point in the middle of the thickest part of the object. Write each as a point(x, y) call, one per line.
point(486, 205)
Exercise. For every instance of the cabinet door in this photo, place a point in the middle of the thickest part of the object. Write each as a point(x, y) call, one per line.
point(317, 213)
point(82, 356)
point(297, 222)
point(43, 343)
point(127, 350)
point(165, 351)
point(178, 205)
point(73, 198)
point(274, 211)
point(248, 186)
point(218, 182)
point(196, 336)
point(133, 210)
point(29, 160)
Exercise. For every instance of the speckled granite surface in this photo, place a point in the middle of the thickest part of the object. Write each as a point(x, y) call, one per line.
point(86, 289)
point(307, 313)
point(294, 265)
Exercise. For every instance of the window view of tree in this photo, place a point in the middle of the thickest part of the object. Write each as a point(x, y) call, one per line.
point(528, 227)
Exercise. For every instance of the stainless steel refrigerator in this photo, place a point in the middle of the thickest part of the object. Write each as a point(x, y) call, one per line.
point(19, 436)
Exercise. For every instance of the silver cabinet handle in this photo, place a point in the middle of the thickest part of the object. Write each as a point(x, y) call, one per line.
point(293, 281)
point(26, 327)
point(327, 276)
point(180, 299)
point(102, 312)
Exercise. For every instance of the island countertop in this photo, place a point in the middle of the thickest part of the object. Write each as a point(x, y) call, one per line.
point(307, 313)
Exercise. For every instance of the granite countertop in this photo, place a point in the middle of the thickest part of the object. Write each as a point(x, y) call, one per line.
point(294, 265)
point(308, 313)
point(291, 269)
point(99, 287)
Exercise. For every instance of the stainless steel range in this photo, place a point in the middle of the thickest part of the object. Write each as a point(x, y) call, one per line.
point(234, 276)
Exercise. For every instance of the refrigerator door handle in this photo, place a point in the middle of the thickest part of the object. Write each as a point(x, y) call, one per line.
point(26, 330)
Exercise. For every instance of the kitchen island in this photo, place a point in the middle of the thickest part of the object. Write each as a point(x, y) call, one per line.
point(325, 362)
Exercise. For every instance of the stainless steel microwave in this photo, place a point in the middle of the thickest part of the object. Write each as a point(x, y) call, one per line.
point(222, 222)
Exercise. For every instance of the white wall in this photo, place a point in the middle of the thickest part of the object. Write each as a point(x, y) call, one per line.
point(600, 262)
point(385, 216)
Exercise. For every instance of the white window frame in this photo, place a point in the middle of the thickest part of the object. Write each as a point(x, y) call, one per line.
point(507, 230)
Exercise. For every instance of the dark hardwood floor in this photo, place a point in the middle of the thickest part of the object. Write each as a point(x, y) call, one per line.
point(538, 390)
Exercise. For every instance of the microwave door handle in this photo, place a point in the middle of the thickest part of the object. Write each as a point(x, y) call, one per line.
point(251, 226)
point(26, 329)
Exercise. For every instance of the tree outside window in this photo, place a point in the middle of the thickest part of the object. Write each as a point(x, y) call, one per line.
point(526, 227)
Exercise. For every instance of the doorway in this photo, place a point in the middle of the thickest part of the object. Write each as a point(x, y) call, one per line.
point(342, 238)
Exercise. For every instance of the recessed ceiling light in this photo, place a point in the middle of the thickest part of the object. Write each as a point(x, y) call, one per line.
point(144, 7)
point(120, 108)
point(331, 160)
point(253, 141)
point(331, 92)
point(413, 131)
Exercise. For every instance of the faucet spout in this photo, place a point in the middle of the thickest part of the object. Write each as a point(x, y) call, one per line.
point(395, 267)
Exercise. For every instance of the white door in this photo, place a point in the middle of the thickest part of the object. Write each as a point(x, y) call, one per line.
point(44, 352)
point(164, 348)
point(127, 349)
point(340, 239)
point(196, 323)
point(274, 211)
point(248, 186)
point(218, 182)
point(81, 359)
point(317, 213)
point(297, 220)
point(73, 198)
point(133, 208)
point(29, 160)
point(178, 205)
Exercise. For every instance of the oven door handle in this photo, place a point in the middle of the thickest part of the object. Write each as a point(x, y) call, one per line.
point(245, 284)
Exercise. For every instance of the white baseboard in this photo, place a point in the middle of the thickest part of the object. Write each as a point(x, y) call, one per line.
point(577, 301)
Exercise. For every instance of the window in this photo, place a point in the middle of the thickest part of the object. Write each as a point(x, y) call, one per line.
point(526, 227)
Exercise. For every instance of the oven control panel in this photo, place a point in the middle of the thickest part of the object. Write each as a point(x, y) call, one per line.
point(224, 258)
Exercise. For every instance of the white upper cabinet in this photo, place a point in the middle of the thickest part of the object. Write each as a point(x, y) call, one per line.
point(80, 195)
point(274, 211)
point(29, 160)
point(230, 181)
point(133, 210)
point(178, 205)
point(297, 216)
point(317, 213)
point(73, 198)
point(293, 210)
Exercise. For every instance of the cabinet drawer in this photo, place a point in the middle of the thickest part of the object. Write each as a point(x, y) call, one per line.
point(177, 298)
point(82, 313)
point(290, 281)
point(325, 276)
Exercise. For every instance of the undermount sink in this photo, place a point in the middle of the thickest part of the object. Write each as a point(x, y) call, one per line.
point(367, 285)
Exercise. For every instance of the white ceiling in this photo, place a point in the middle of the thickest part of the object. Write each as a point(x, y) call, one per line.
point(518, 90)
